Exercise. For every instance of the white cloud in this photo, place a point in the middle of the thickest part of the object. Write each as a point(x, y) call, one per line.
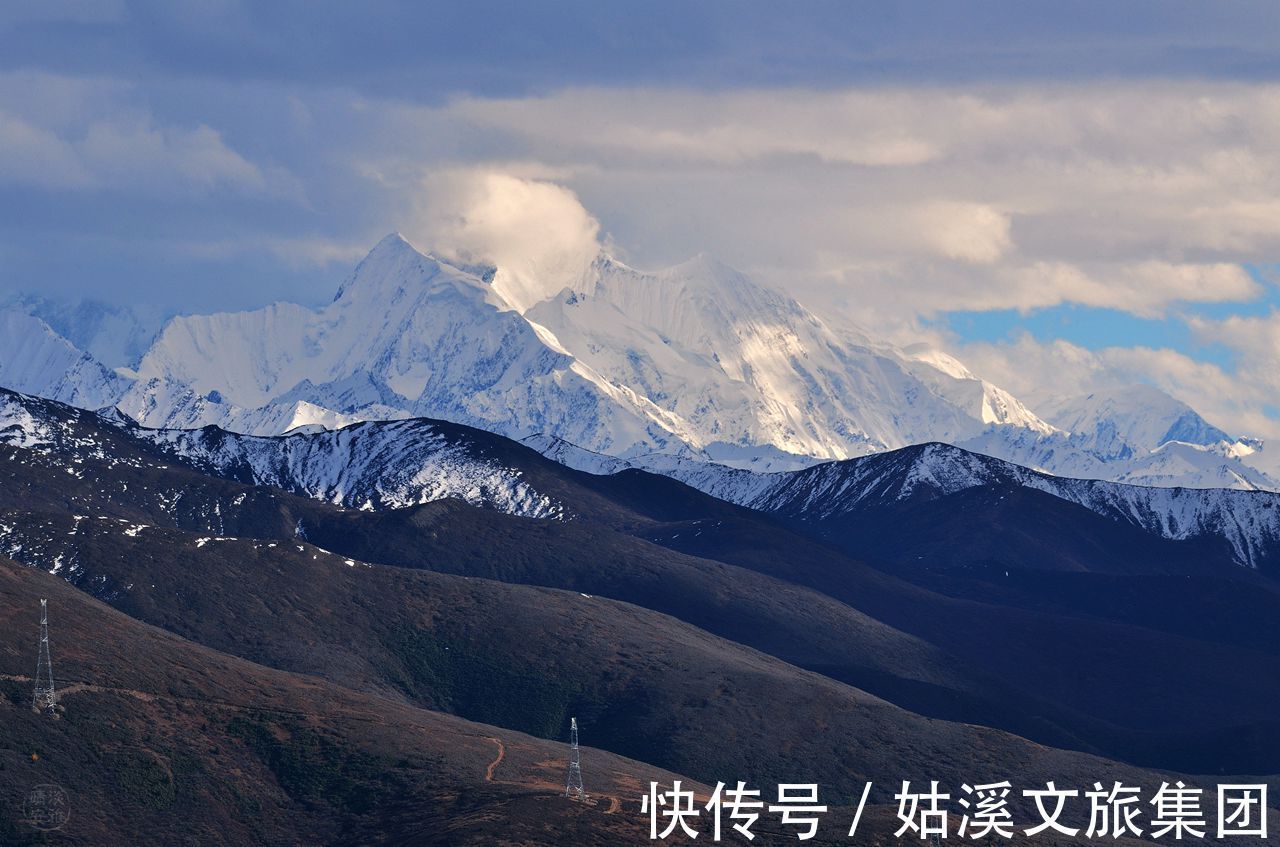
point(536, 233)
point(1131, 195)
point(138, 153)
point(848, 128)
point(1144, 288)
point(63, 133)
point(35, 156)
point(1255, 342)
point(967, 232)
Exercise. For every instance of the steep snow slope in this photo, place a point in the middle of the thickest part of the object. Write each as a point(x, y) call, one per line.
point(984, 401)
point(36, 360)
point(406, 335)
point(744, 366)
point(366, 466)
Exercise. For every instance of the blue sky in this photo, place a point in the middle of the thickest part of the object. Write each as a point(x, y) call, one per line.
point(1099, 328)
point(1066, 196)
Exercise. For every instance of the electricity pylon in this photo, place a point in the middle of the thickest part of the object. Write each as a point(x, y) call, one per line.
point(573, 788)
point(46, 699)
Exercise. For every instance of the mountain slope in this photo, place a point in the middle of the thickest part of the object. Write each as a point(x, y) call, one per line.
point(526, 658)
point(1246, 523)
point(380, 465)
point(613, 546)
point(132, 499)
point(162, 740)
point(392, 464)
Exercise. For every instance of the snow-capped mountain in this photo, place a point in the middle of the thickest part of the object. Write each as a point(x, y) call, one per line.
point(692, 363)
point(1173, 463)
point(376, 465)
point(406, 335)
point(37, 360)
point(695, 360)
point(1132, 420)
point(1248, 521)
point(116, 336)
point(742, 366)
point(380, 465)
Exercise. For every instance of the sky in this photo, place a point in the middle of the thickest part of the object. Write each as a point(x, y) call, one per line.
point(1069, 197)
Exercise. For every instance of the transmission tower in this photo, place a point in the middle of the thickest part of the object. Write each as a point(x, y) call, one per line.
point(46, 699)
point(573, 788)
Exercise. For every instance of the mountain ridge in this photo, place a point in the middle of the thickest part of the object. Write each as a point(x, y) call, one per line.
point(695, 362)
point(375, 465)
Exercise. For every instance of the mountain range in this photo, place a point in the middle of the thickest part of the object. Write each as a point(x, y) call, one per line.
point(377, 633)
point(652, 598)
point(694, 364)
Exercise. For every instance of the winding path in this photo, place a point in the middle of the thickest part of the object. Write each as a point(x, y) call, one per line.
point(615, 803)
point(493, 766)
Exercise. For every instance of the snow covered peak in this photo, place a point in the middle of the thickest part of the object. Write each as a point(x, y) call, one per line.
point(36, 360)
point(1132, 419)
point(393, 253)
point(395, 272)
point(705, 269)
point(988, 403)
point(116, 336)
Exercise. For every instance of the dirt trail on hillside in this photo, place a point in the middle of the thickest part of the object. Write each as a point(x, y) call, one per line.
point(70, 688)
point(493, 766)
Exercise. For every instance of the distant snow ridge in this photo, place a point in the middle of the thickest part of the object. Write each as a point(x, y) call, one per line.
point(34, 359)
point(1249, 521)
point(365, 466)
point(369, 466)
point(381, 465)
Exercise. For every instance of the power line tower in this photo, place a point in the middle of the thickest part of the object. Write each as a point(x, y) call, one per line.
point(573, 788)
point(46, 699)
